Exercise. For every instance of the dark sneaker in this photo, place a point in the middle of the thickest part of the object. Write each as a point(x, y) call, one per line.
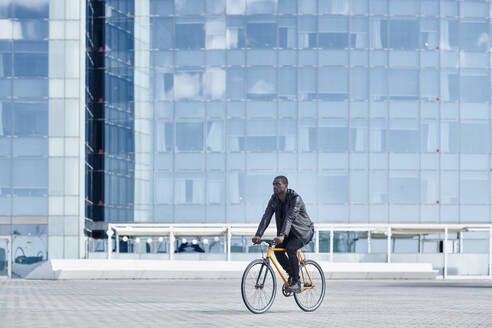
point(294, 288)
point(290, 281)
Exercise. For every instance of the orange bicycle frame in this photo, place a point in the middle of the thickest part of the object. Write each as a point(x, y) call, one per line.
point(301, 261)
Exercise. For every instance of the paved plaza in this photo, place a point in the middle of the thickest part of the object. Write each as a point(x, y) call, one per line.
point(215, 303)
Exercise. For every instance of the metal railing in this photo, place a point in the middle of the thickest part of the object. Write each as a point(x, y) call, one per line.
point(387, 231)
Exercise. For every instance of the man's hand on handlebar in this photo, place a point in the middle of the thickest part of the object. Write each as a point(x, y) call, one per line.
point(256, 239)
point(278, 240)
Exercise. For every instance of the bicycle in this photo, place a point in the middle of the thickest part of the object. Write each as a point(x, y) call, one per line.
point(258, 285)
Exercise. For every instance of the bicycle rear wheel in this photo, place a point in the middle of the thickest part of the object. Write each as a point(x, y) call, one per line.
point(258, 286)
point(313, 286)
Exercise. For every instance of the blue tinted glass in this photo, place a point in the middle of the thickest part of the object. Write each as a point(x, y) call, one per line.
point(5, 64)
point(404, 34)
point(31, 46)
point(190, 36)
point(162, 33)
point(5, 88)
point(30, 88)
point(262, 35)
point(30, 119)
point(30, 64)
point(189, 136)
point(5, 120)
point(31, 29)
point(31, 9)
point(161, 7)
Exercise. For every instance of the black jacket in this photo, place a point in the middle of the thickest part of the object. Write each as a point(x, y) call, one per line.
point(296, 220)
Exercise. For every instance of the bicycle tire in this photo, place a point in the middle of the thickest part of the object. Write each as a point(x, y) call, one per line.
point(309, 299)
point(251, 292)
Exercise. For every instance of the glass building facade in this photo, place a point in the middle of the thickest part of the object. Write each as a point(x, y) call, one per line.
point(376, 111)
point(185, 110)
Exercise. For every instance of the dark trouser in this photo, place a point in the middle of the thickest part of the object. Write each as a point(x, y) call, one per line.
point(290, 263)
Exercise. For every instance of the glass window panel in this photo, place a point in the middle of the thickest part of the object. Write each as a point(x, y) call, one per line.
point(287, 6)
point(215, 188)
point(449, 136)
point(30, 177)
point(403, 84)
point(258, 188)
point(189, 136)
point(359, 36)
point(358, 135)
point(262, 33)
point(429, 187)
point(189, 188)
point(30, 146)
point(378, 187)
point(161, 7)
point(474, 188)
point(216, 6)
point(474, 35)
point(30, 119)
point(30, 88)
point(162, 33)
point(333, 136)
point(262, 83)
point(449, 34)
point(306, 83)
point(378, 27)
point(429, 136)
point(404, 187)
point(378, 83)
point(5, 176)
point(261, 109)
point(307, 6)
point(287, 135)
point(403, 34)
point(190, 34)
point(359, 79)
point(306, 27)
point(449, 187)
point(333, 188)
point(429, 33)
point(429, 7)
point(236, 32)
point(235, 83)
point(404, 7)
point(164, 132)
point(287, 32)
point(5, 64)
point(333, 91)
point(449, 8)
point(236, 7)
point(377, 135)
point(450, 84)
point(333, 57)
point(403, 136)
point(31, 9)
point(429, 84)
point(215, 136)
point(333, 32)
point(261, 6)
point(261, 136)
point(474, 60)
point(308, 135)
point(163, 188)
point(474, 86)
point(215, 33)
point(30, 64)
point(359, 188)
point(30, 29)
point(287, 78)
point(333, 7)
point(474, 137)
point(188, 84)
point(214, 83)
point(189, 7)
point(235, 135)
point(162, 58)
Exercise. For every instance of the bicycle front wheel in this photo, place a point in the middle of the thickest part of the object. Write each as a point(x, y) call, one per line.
point(313, 286)
point(258, 286)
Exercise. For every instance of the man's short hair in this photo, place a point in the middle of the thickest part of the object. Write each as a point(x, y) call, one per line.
point(284, 179)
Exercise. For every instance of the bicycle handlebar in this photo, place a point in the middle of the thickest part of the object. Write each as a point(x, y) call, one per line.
point(270, 242)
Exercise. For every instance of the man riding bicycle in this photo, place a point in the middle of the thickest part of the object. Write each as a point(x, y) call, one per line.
point(294, 228)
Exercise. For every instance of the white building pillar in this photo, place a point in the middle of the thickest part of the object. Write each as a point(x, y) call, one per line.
point(332, 234)
point(445, 252)
point(389, 244)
